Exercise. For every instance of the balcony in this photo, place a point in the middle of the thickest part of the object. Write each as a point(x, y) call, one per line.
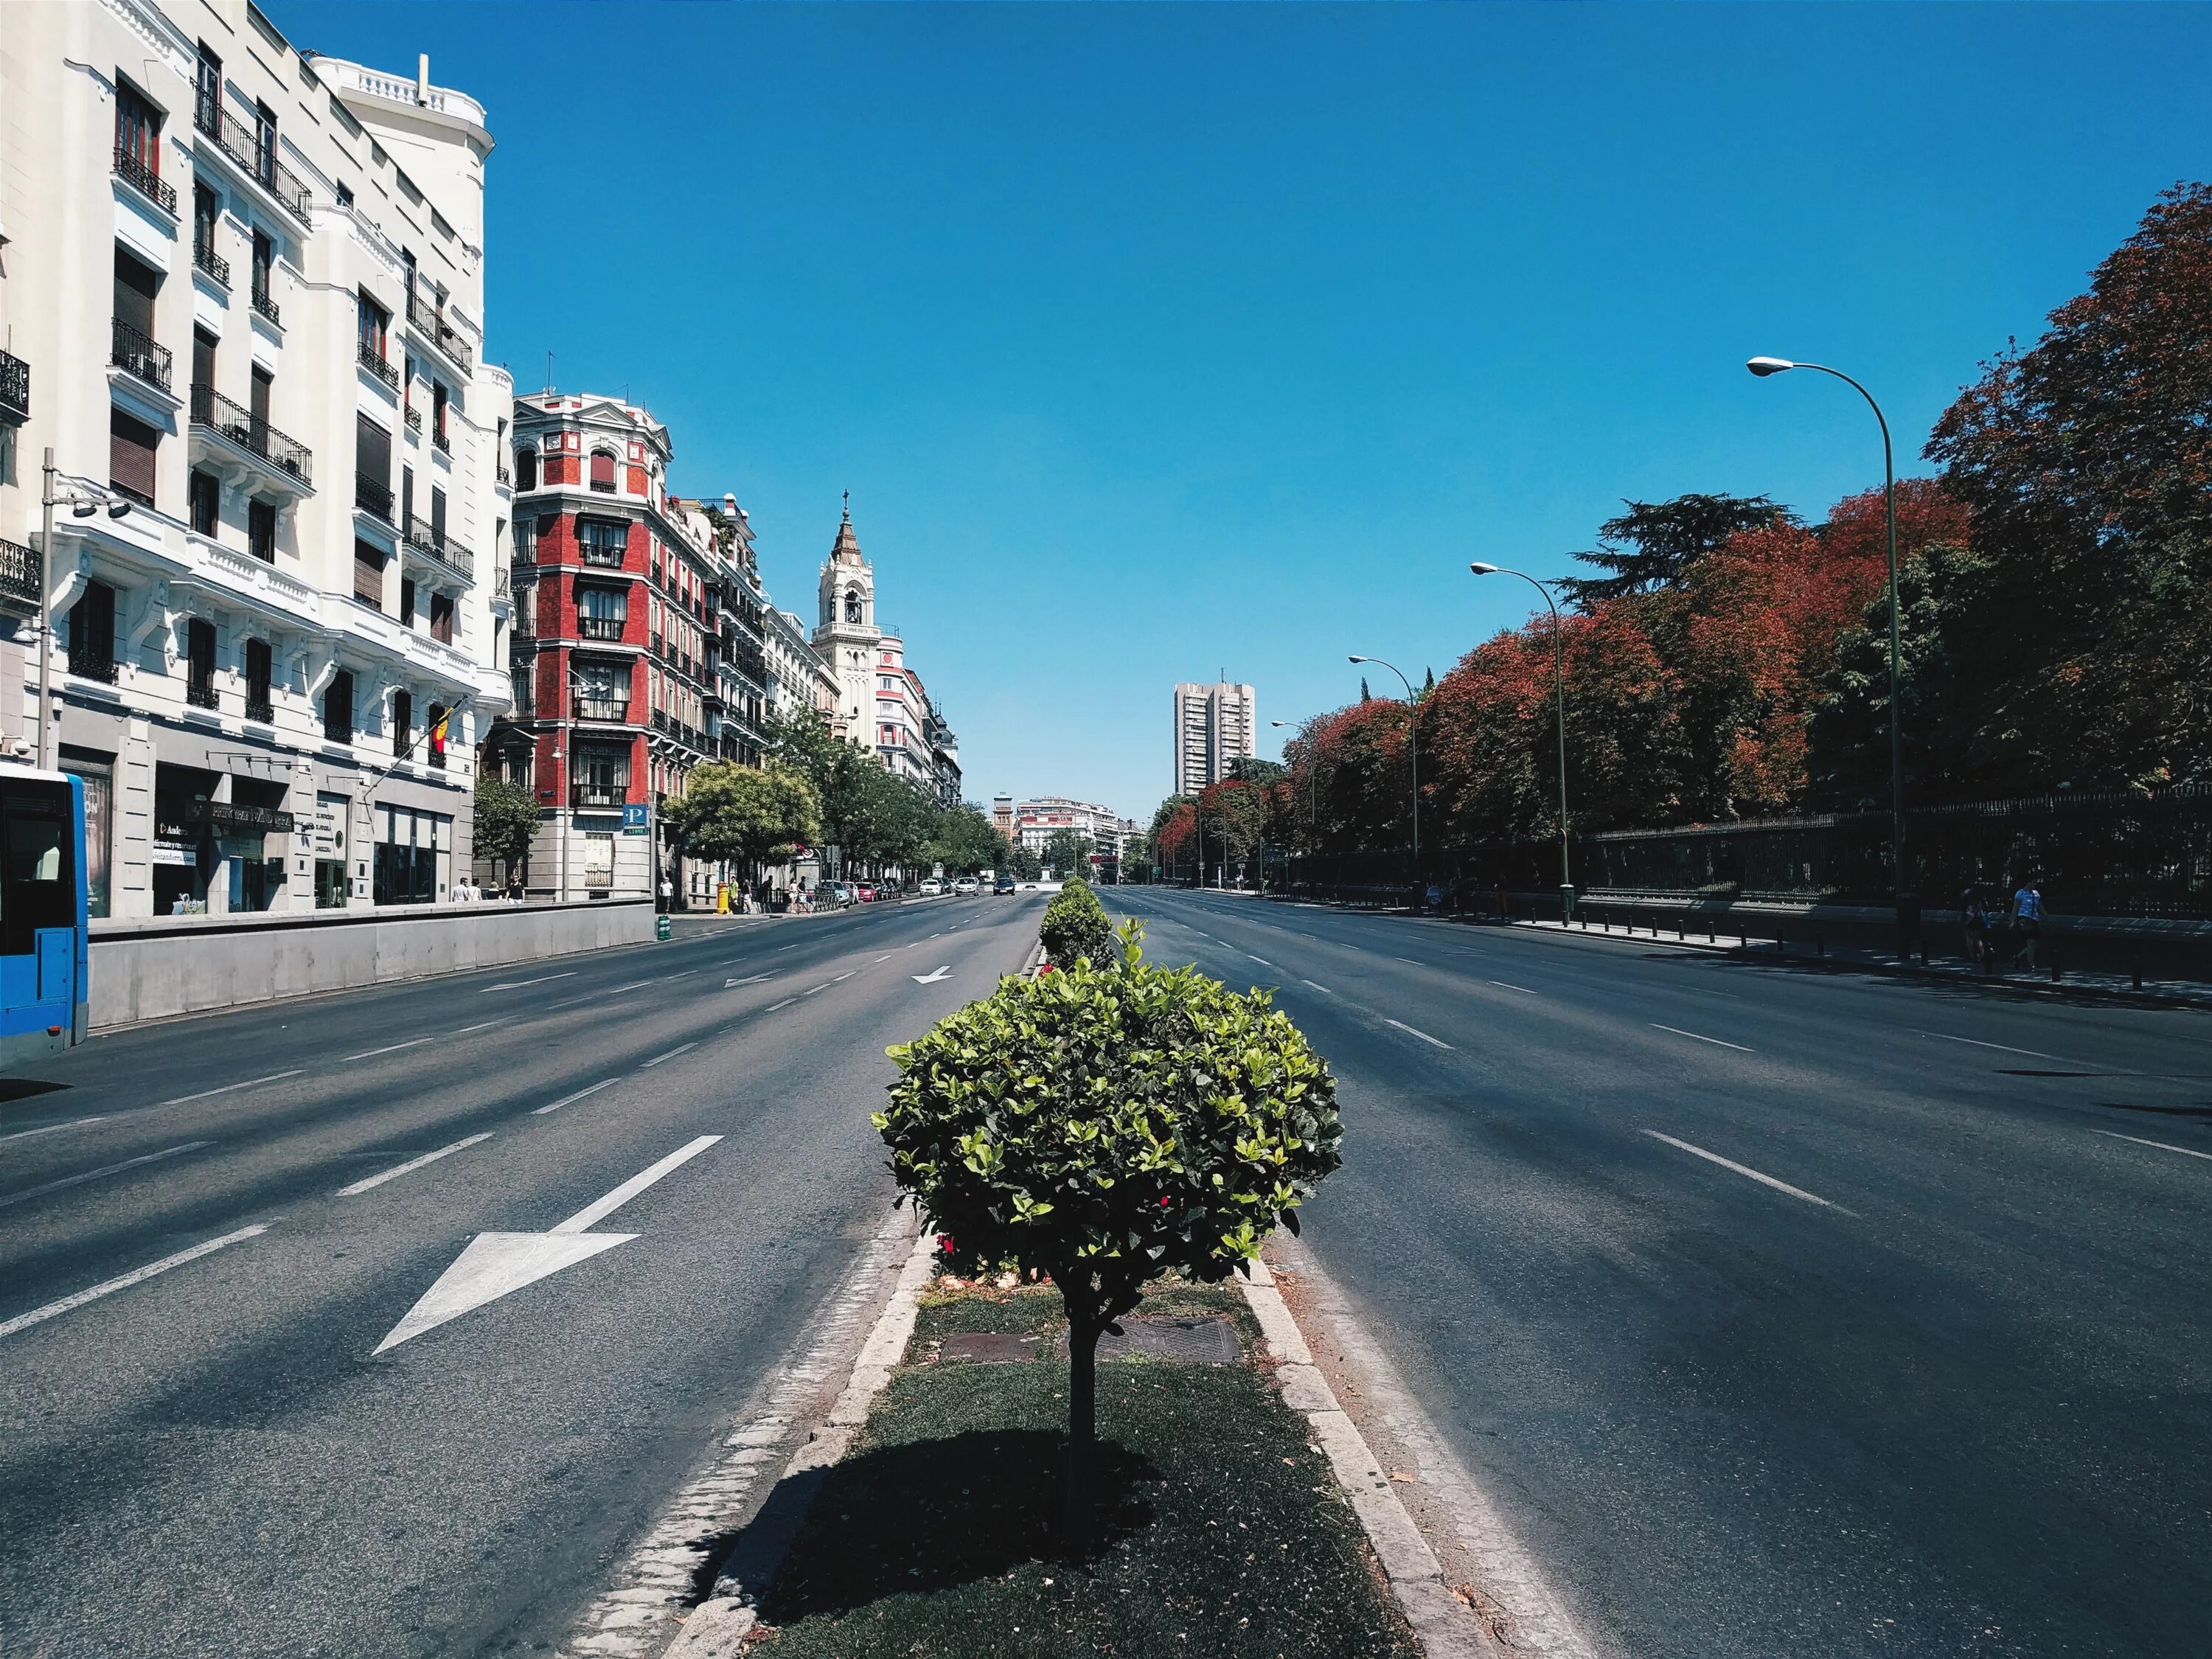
point(599, 627)
point(134, 354)
point(213, 412)
point(609, 554)
point(598, 795)
point(373, 495)
point(429, 321)
point(201, 694)
point(502, 582)
point(265, 305)
point(256, 161)
point(15, 388)
point(372, 361)
point(610, 711)
point(434, 543)
point(260, 710)
point(147, 182)
point(441, 443)
point(207, 260)
point(414, 420)
point(437, 758)
point(505, 474)
point(93, 665)
point(21, 576)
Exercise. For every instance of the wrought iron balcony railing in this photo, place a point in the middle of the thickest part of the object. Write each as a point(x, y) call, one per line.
point(441, 443)
point(135, 354)
point(205, 257)
point(215, 412)
point(373, 495)
point(599, 627)
point(21, 577)
point(260, 710)
point(373, 362)
point(240, 142)
point(430, 322)
point(15, 388)
point(143, 179)
point(426, 538)
point(613, 711)
point(414, 418)
point(88, 663)
point(201, 694)
point(597, 794)
point(266, 306)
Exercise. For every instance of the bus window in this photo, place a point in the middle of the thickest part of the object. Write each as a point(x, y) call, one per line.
point(34, 849)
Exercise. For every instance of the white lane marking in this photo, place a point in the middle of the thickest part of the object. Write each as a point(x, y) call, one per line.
point(229, 1088)
point(600, 1208)
point(2002, 1048)
point(886, 956)
point(936, 935)
point(750, 978)
point(137, 1275)
point(843, 977)
point(671, 1055)
point(681, 974)
point(516, 984)
point(793, 945)
point(594, 996)
point(786, 1003)
point(481, 1025)
point(2162, 1145)
point(931, 979)
point(567, 1100)
point(1409, 961)
point(108, 1169)
point(634, 985)
point(1746, 1170)
point(1262, 961)
point(1503, 985)
point(78, 1123)
point(409, 1166)
point(390, 1049)
point(909, 947)
point(1323, 989)
point(1716, 1041)
point(1410, 1031)
point(811, 990)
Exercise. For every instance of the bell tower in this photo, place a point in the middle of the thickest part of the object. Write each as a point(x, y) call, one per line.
point(847, 592)
point(845, 637)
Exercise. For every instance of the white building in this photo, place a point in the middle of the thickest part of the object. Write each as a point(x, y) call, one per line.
point(1214, 725)
point(882, 707)
point(241, 295)
point(1035, 821)
point(797, 679)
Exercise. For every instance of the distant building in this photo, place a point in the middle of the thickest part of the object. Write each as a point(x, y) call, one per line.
point(1002, 816)
point(1038, 821)
point(881, 704)
point(1214, 725)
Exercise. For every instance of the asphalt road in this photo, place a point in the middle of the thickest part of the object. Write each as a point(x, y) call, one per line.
point(216, 1460)
point(1943, 1389)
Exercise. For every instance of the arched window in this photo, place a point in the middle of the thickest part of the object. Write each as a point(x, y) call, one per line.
point(852, 605)
point(603, 471)
point(525, 469)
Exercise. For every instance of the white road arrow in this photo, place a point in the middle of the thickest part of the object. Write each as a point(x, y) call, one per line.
point(496, 1263)
point(931, 979)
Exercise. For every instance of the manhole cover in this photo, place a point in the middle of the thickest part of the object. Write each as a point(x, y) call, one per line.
point(1208, 1341)
point(987, 1347)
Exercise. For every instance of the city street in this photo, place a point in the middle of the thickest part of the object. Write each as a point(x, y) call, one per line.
point(231, 1425)
point(1780, 1312)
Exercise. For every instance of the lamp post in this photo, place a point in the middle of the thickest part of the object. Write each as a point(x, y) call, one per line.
point(1413, 749)
point(79, 506)
point(1558, 697)
point(1764, 367)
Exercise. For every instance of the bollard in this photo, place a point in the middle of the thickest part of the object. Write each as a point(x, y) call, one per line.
point(1709, 926)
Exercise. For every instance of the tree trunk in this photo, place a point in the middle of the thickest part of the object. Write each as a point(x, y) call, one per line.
point(1082, 1436)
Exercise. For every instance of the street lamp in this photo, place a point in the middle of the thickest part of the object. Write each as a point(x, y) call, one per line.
point(1762, 367)
point(1559, 697)
point(79, 506)
point(1413, 749)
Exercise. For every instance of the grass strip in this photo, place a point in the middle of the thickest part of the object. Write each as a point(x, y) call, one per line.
point(1222, 1532)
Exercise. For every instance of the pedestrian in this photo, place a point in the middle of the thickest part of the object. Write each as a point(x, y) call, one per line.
point(1974, 917)
point(2027, 921)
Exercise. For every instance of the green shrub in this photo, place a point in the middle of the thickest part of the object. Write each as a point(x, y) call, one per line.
point(1106, 1126)
point(1075, 926)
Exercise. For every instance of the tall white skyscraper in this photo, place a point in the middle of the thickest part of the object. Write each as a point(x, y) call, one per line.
point(1214, 725)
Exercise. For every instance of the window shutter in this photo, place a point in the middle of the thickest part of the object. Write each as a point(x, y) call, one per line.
point(130, 447)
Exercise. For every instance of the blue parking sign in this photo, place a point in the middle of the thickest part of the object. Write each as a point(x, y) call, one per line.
point(634, 818)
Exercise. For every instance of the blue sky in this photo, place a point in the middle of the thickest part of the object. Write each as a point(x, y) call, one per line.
point(1154, 341)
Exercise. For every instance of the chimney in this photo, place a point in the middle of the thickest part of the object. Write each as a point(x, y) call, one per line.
point(422, 78)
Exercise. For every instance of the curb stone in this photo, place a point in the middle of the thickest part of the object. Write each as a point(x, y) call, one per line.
point(1515, 1611)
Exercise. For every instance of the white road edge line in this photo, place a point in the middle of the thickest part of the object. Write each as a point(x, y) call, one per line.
point(599, 1209)
point(25, 1134)
point(1746, 1170)
point(2002, 1048)
point(409, 1167)
point(1410, 1031)
point(569, 1100)
point(137, 1275)
point(392, 1049)
point(1694, 1037)
point(227, 1087)
point(95, 1175)
point(671, 1055)
point(2163, 1146)
point(1503, 985)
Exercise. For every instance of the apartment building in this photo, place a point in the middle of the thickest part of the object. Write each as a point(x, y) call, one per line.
point(1214, 725)
point(797, 679)
point(241, 304)
point(1036, 823)
point(639, 647)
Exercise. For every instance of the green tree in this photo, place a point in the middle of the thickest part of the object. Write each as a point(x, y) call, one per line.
point(1652, 545)
point(1067, 852)
point(1105, 1126)
point(742, 814)
point(505, 818)
point(1075, 927)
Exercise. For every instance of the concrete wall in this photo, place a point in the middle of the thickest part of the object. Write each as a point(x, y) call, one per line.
point(155, 968)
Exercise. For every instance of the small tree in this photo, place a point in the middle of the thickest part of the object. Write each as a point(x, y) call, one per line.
point(506, 817)
point(1075, 926)
point(1106, 1128)
point(742, 814)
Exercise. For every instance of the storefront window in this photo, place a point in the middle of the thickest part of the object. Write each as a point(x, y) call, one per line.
point(327, 836)
point(98, 771)
point(413, 855)
point(184, 840)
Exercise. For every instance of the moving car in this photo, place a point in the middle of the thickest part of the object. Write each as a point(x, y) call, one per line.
point(931, 887)
point(965, 886)
point(1004, 884)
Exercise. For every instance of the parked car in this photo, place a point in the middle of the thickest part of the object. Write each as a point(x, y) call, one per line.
point(966, 886)
point(837, 893)
point(864, 893)
point(931, 887)
point(1004, 884)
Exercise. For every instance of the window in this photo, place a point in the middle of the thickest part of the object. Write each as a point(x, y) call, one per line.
point(524, 679)
point(203, 345)
point(97, 770)
point(199, 663)
point(264, 142)
point(261, 531)
point(413, 855)
point(345, 193)
point(853, 605)
point(258, 664)
point(376, 328)
point(92, 634)
point(407, 601)
point(602, 776)
point(265, 256)
point(136, 283)
point(525, 469)
point(603, 472)
point(402, 723)
point(441, 618)
point(368, 573)
point(131, 450)
point(337, 708)
point(205, 497)
point(601, 612)
point(602, 690)
point(257, 395)
point(206, 206)
point(138, 135)
point(601, 542)
point(434, 731)
point(437, 515)
point(207, 92)
point(372, 456)
point(438, 401)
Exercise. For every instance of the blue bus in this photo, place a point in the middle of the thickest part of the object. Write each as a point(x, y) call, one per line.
point(44, 958)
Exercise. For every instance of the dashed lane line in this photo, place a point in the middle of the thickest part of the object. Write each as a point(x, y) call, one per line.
point(516, 984)
point(1411, 1031)
point(29, 1193)
point(1323, 989)
point(409, 1166)
point(843, 977)
point(51, 1128)
point(570, 1100)
point(1695, 1037)
point(137, 1275)
point(481, 1025)
point(811, 990)
point(779, 1006)
point(2164, 1146)
point(682, 1047)
point(390, 1049)
point(1503, 985)
point(232, 1088)
point(1747, 1171)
